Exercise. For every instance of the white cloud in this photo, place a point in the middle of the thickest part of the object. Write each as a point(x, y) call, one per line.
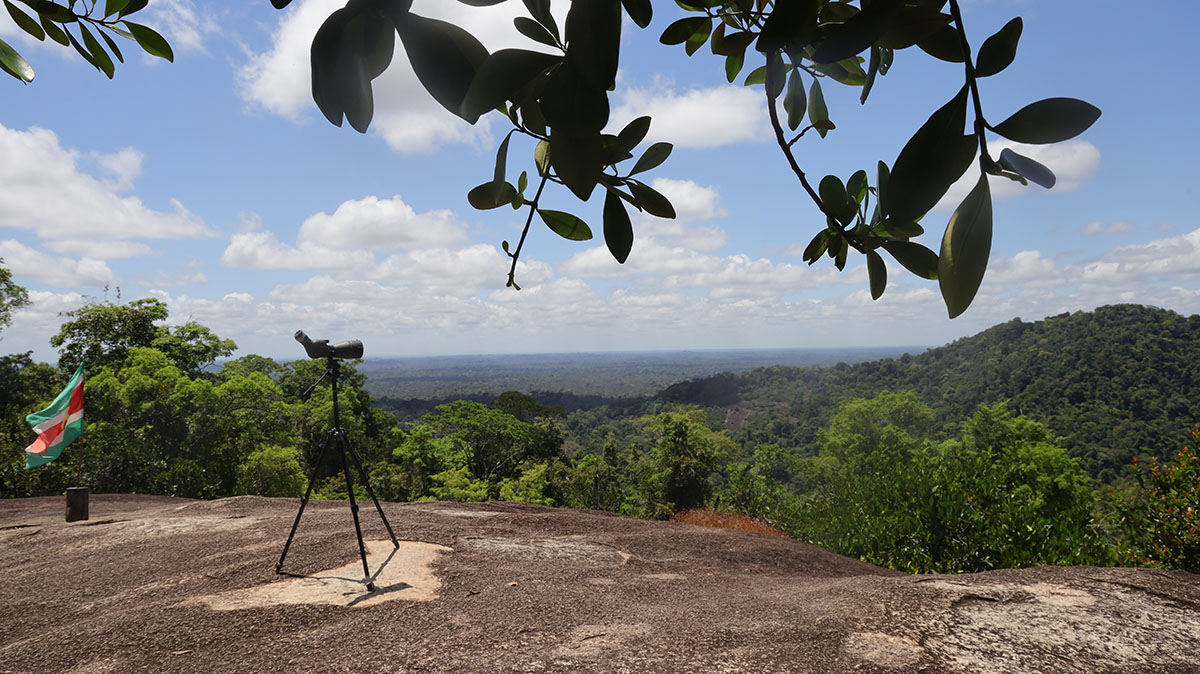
point(121, 168)
point(99, 249)
point(1028, 267)
point(696, 118)
point(43, 190)
point(184, 23)
point(471, 268)
point(1092, 228)
point(28, 264)
point(380, 224)
point(263, 250)
point(1073, 163)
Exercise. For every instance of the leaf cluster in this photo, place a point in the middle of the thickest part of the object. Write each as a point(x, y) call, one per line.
point(77, 24)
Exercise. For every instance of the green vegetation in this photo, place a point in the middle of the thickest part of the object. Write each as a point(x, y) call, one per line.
point(556, 104)
point(892, 476)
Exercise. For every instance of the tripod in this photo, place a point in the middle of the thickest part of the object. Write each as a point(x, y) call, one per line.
point(338, 434)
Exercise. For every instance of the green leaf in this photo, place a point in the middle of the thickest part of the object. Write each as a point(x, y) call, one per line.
point(856, 186)
point(756, 76)
point(26, 22)
point(845, 40)
point(114, 7)
point(1049, 121)
point(912, 24)
point(566, 225)
point(966, 246)
point(640, 11)
point(489, 195)
point(872, 71)
point(112, 46)
point(900, 229)
point(914, 257)
point(54, 32)
point(500, 171)
point(14, 64)
point(733, 65)
point(1033, 170)
point(578, 161)
point(816, 247)
point(833, 194)
point(654, 155)
point(936, 156)
point(378, 44)
point(444, 57)
point(134, 6)
point(541, 157)
point(697, 39)
point(618, 232)
point(650, 200)
point(882, 176)
point(534, 31)
point(522, 182)
point(943, 44)
point(877, 273)
point(999, 50)
point(87, 56)
point(817, 111)
point(728, 45)
point(776, 75)
point(681, 30)
point(572, 104)
point(102, 60)
point(150, 41)
point(594, 41)
point(633, 133)
point(795, 103)
point(54, 11)
point(791, 24)
point(540, 11)
point(501, 77)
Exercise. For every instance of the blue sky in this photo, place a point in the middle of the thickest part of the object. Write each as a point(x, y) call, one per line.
point(215, 184)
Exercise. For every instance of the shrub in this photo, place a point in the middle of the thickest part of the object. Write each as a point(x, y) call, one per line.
point(271, 470)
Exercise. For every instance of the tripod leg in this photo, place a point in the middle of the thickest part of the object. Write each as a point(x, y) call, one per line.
point(367, 483)
point(362, 548)
point(312, 478)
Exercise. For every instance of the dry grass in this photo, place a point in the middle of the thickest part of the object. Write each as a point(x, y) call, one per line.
point(710, 517)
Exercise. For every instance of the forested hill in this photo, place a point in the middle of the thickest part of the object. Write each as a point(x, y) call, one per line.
point(1114, 382)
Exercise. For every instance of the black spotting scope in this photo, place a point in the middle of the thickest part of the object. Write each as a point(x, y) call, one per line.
point(321, 348)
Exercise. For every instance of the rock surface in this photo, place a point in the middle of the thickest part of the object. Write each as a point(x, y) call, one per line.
point(172, 585)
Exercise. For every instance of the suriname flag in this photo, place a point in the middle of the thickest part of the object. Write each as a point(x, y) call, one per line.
point(58, 424)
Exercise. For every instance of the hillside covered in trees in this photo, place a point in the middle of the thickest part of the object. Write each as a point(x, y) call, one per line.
point(1112, 383)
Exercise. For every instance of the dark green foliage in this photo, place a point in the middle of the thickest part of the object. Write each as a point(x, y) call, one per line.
point(1003, 496)
point(1111, 383)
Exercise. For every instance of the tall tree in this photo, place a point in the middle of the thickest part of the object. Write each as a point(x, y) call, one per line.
point(101, 333)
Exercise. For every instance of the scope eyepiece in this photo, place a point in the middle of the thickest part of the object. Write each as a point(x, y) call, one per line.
point(321, 348)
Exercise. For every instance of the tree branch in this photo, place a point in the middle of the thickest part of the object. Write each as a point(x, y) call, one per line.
point(985, 160)
point(516, 254)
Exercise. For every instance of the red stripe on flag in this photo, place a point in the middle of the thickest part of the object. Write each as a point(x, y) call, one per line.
point(76, 404)
point(43, 441)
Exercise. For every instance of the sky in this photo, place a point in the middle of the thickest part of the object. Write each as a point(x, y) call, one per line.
point(214, 184)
